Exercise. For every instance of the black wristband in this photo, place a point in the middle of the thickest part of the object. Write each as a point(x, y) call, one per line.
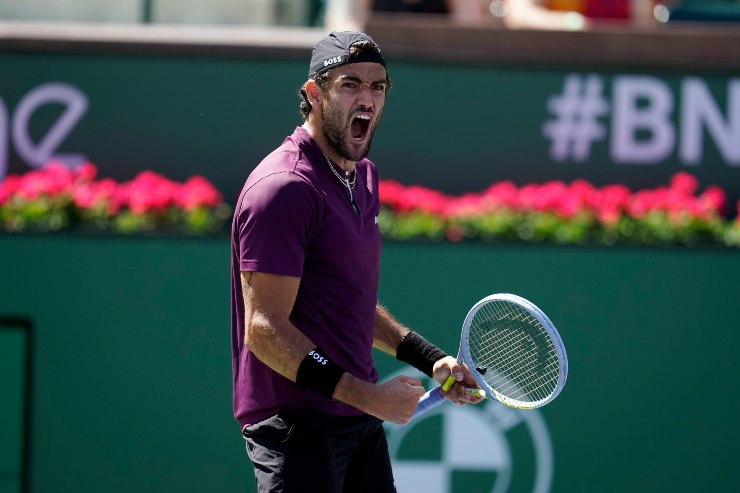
point(318, 373)
point(419, 353)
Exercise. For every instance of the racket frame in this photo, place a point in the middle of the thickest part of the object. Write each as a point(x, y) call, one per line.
point(464, 354)
point(435, 396)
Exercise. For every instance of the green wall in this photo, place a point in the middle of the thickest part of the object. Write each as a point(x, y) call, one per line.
point(14, 339)
point(131, 375)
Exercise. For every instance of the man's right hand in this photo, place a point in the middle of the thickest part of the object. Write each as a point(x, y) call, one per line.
point(394, 400)
point(397, 398)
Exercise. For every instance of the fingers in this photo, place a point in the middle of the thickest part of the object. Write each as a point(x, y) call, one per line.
point(464, 380)
point(455, 391)
point(410, 380)
point(459, 394)
point(455, 369)
point(403, 403)
point(448, 366)
point(468, 377)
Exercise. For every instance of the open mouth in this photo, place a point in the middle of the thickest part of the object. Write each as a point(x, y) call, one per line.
point(360, 127)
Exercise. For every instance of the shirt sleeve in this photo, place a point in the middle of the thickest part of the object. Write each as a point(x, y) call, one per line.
point(275, 221)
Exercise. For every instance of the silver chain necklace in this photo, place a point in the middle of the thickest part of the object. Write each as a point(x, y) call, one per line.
point(347, 183)
point(350, 184)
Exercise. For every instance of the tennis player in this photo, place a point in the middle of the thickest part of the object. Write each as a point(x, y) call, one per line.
point(305, 315)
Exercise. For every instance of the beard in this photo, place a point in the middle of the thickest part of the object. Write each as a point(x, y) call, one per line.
point(335, 128)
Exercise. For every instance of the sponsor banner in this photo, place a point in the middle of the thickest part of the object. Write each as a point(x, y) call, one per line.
point(454, 128)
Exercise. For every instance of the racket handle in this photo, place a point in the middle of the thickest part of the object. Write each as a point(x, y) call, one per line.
point(428, 401)
point(432, 398)
point(448, 383)
point(435, 397)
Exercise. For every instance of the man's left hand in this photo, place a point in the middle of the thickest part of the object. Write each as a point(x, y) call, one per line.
point(464, 380)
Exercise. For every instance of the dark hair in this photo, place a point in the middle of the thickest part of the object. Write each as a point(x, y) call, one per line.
point(304, 108)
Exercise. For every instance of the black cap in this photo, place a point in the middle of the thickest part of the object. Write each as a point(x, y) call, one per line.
point(333, 50)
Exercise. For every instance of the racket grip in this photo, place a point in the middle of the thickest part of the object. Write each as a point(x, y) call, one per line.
point(428, 401)
point(448, 383)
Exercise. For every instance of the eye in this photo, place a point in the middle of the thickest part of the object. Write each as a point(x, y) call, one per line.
point(349, 85)
point(378, 87)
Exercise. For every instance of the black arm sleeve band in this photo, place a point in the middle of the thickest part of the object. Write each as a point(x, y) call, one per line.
point(419, 353)
point(318, 373)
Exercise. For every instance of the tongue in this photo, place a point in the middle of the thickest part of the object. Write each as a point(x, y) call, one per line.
point(358, 129)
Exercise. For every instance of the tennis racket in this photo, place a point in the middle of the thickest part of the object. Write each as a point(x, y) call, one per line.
point(512, 350)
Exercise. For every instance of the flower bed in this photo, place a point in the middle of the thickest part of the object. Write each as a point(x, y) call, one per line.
point(55, 197)
point(557, 212)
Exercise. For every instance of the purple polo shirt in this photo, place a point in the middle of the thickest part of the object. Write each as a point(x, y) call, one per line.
point(294, 218)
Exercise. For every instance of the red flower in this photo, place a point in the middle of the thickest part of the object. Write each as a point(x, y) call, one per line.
point(99, 193)
point(713, 200)
point(684, 183)
point(52, 180)
point(641, 203)
point(421, 199)
point(197, 192)
point(556, 197)
point(609, 215)
point(9, 187)
point(584, 193)
point(86, 172)
point(465, 205)
point(389, 192)
point(503, 193)
point(613, 197)
point(567, 206)
point(149, 192)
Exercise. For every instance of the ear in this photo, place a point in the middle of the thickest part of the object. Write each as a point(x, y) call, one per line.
point(313, 92)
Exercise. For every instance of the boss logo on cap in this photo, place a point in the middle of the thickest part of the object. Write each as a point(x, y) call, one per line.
point(333, 60)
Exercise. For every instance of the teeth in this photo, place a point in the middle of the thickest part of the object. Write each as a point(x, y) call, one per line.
point(363, 117)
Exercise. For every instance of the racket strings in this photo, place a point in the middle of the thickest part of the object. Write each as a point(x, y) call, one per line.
point(520, 378)
point(520, 360)
point(523, 362)
point(524, 378)
point(527, 362)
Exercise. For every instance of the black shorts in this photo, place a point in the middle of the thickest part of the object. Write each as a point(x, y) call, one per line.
point(301, 451)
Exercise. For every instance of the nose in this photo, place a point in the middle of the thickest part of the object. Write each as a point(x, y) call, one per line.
point(366, 95)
